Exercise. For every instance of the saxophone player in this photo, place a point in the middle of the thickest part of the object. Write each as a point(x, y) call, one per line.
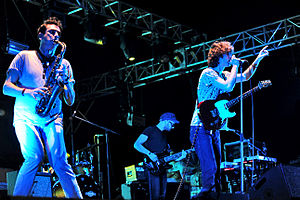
point(25, 80)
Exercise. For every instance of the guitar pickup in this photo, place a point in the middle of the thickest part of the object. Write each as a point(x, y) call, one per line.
point(214, 113)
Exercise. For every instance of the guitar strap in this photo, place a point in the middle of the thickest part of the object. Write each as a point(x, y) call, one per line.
point(186, 165)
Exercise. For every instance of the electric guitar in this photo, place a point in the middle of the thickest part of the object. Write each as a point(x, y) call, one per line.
point(214, 113)
point(162, 163)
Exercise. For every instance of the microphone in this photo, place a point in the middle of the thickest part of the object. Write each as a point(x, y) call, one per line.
point(241, 61)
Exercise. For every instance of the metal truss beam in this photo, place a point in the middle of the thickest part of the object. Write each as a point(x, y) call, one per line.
point(247, 43)
point(121, 15)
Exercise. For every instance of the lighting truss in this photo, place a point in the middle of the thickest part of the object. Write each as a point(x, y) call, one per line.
point(120, 15)
point(247, 43)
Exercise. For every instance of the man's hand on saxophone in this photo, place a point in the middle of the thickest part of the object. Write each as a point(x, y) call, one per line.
point(11, 88)
point(62, 77)
point(68, 88)
point(36, 93)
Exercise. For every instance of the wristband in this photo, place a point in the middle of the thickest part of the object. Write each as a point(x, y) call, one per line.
point(23, 91)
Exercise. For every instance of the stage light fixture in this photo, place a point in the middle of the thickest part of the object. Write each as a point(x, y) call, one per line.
point(13, 47)
point(164, 59)
point(100, 42)
point(94, 31)
point(127, 55)
point(178, 60)
point(128, 47)
point(131, 58)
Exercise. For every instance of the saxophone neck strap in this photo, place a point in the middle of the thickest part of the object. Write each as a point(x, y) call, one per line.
point(46, 61)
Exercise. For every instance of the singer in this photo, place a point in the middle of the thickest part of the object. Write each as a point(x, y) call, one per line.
point(26, 78)
point(214, 81)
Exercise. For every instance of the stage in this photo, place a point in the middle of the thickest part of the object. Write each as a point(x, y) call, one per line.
point(120, 98)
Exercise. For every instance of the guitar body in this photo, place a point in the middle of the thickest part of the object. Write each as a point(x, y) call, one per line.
point(213, 113)
point(162, 164)
point(156, 168)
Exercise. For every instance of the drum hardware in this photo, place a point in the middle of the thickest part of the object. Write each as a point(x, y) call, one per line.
point(97, 142)
point(83, 168)
point(84, 161)
point(86, 184)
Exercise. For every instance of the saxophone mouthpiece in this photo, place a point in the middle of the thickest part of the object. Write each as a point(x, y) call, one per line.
point(62, 44)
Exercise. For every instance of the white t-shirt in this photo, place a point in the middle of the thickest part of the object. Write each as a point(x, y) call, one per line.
point(31, 75)
point(206, 90)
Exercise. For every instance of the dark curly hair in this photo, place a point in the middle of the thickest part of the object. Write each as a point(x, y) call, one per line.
point(216, 51)
point(50, 20)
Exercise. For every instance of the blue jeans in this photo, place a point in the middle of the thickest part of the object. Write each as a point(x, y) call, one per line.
point(157, 186)
point(33, 141)
point(208, 149)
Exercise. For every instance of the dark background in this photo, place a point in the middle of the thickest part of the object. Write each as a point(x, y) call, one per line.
point(276, 108)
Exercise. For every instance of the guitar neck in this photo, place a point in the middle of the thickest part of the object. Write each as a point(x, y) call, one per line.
point(238, 99)
point(174, 156)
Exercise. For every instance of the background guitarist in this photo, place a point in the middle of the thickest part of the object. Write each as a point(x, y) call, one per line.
point(152, 142)
point(214, 81)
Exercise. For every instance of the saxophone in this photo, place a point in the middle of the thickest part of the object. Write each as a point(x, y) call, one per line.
point(45, 104)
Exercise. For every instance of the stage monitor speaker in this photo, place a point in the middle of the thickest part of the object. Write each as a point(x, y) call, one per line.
point(41, 187)
point(278, 183)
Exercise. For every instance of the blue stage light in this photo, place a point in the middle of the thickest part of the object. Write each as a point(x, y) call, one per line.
point(13, 47)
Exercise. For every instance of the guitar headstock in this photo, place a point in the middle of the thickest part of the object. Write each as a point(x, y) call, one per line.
point(264, 84)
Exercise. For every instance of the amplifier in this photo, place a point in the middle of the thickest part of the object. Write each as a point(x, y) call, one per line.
point(41, 187)
point(232, 150)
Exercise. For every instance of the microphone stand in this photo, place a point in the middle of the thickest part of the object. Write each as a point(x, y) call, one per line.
point(253, 139)
point(100, 175)
point(242, 131)
point(72, 141)
point(107, 131)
